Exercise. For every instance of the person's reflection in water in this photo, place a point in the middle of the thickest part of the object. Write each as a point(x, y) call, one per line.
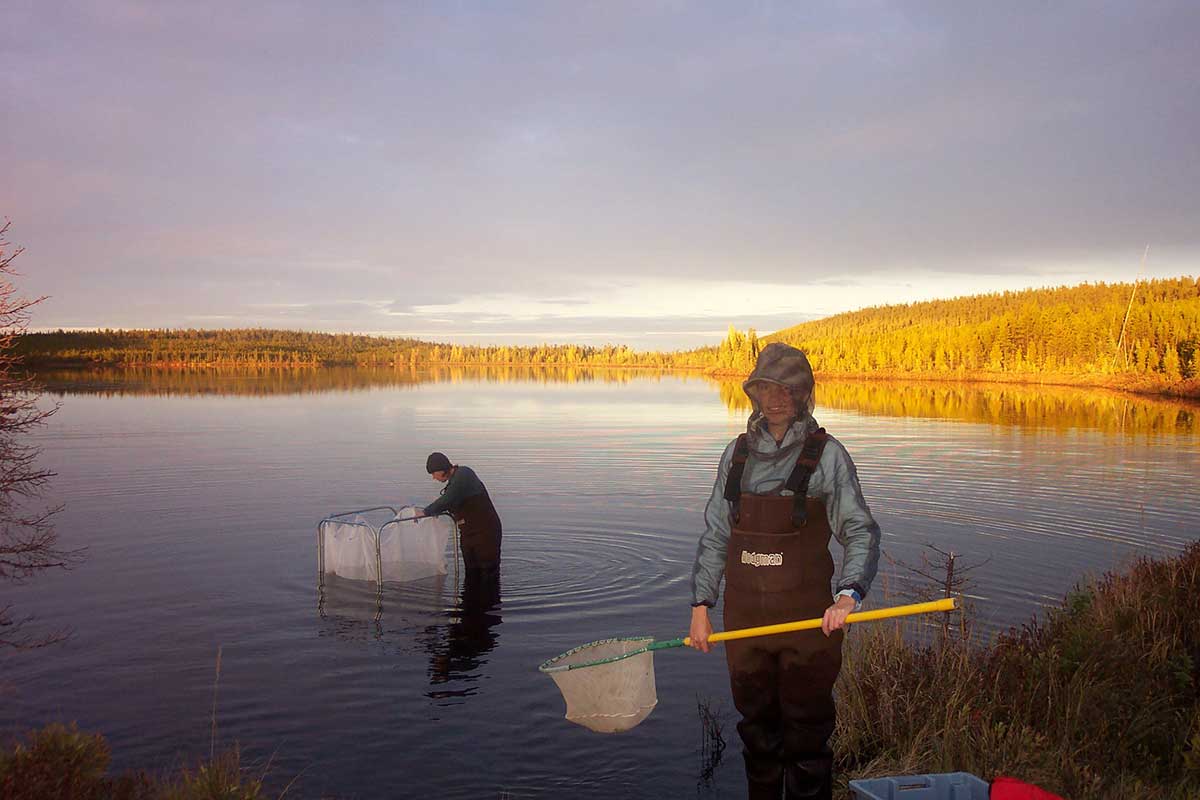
point(458, 656)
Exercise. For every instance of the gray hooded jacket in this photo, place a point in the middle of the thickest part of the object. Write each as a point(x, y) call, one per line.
point(834, 482)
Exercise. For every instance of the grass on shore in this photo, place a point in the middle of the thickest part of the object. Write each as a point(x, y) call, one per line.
point(1099, 701)
point(60, 762)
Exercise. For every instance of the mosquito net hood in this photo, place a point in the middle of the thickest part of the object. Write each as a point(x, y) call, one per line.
point(782, 365)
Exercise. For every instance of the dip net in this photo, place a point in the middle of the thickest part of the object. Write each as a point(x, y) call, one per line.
point(608, 685)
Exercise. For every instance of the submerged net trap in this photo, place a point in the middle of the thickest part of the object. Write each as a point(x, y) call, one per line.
point(382, 544)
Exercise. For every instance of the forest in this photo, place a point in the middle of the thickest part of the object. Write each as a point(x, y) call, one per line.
point(1152, 329)
point(1098, 332)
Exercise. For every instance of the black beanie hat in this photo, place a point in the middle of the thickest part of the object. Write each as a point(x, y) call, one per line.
point(437, 462)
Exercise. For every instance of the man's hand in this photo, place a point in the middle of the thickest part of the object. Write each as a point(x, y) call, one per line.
point(418, 513)
point(835, 615)
point(701, 629)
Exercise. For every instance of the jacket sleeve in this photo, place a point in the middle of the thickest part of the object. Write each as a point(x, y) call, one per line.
point(709, 567)
point(456, 491)
point(850, 519)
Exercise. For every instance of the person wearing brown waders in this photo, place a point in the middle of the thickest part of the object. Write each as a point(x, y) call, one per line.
point(467, 500)
point(783, 489)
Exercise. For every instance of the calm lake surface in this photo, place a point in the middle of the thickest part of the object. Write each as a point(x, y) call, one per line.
point(198, 496)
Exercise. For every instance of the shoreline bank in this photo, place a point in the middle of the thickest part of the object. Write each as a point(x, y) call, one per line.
point(1187, 389)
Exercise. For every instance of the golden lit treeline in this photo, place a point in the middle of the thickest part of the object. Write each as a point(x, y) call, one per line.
point(1055, 408)
point(1092, 329)
point(1150, 332)
point(260, 347)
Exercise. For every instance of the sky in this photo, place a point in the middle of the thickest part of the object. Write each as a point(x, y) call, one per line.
point(641, 173)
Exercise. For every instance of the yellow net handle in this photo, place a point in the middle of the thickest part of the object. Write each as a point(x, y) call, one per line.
point(948, 604)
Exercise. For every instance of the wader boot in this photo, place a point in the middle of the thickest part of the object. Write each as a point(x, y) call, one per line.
point(810, 777)
point(764, 779)
point(480, 532)
point(779, 571)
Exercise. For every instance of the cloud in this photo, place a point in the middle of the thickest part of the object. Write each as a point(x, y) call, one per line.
point(623, 161)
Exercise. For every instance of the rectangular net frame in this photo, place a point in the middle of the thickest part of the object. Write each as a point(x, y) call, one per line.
point(364, 560)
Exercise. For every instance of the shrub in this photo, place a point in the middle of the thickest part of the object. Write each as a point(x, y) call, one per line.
point(59, 762)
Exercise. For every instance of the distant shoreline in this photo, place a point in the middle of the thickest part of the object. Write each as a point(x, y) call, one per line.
point(1141, 338)
point(1188, 389)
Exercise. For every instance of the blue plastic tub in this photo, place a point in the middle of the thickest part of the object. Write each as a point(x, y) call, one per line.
point(944, 786)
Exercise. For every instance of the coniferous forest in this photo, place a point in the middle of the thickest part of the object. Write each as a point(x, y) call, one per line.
point(1100, 329)
point(1145, 335)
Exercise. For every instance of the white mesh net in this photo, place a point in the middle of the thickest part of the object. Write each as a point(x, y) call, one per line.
point(608, 697)
point(408, 549)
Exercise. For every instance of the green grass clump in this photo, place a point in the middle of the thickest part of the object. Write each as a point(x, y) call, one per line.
point(59, 762)
point(1100, 701)
point(222, 778)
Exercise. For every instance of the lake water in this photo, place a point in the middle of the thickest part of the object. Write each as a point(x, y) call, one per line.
point(198, 496)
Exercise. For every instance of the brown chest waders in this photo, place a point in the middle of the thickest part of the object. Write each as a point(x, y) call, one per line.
point(480, 532)
point(778, 568)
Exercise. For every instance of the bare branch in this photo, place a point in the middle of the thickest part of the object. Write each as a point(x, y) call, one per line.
point(13, 635)
point(28, 541)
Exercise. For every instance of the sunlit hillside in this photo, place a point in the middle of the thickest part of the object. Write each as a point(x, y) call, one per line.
point(1093, 329)
point(1139, 337)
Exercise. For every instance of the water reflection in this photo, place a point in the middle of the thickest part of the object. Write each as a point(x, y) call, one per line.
point(122, 381)
point(1057, 408)
point(354, 611)
point(413, 618)
point(457, 652)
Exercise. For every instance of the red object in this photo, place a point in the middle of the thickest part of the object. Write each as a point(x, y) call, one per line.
point(1005, 788)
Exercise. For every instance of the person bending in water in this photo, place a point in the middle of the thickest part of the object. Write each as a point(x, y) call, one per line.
point(782, 489)
point(467, 500)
